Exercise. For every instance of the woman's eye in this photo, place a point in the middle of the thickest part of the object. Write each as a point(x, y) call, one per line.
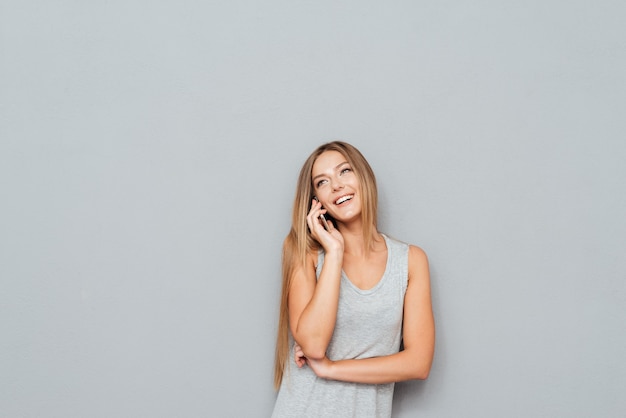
point(319, 183)
point(345, 170)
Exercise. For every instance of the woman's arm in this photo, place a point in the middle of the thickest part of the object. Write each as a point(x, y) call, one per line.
point(415, 360)
point(313, 301)
point(313, 305)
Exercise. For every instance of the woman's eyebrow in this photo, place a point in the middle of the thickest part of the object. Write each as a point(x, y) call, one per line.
point(321, 175)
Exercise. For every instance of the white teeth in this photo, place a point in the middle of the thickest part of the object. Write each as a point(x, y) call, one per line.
point(343, 199)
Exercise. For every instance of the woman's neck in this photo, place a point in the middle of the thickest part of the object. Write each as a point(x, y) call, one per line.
point(353, 241)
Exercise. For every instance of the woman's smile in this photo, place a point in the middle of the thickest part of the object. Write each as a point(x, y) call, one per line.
point(343, 199)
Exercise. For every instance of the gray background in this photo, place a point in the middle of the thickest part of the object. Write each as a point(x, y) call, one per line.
point(148, 158)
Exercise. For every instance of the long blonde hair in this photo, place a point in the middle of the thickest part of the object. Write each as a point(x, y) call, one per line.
point(299, 241)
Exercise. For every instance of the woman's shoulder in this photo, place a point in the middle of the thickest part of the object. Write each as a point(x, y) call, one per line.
point(415, 251)
point(313, 255)
point(418, 263)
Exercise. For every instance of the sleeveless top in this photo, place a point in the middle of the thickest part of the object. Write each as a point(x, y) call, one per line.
point(368, 324)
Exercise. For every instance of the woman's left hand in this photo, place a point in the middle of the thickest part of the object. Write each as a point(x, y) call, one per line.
point(320, 367)
point(299, 356)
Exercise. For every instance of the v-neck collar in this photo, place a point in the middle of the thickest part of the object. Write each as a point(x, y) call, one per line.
point(380, 281)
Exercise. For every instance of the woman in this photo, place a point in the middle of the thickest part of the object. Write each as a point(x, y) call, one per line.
point(350, 295)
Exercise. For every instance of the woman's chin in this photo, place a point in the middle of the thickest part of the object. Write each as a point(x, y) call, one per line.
point(348, 218)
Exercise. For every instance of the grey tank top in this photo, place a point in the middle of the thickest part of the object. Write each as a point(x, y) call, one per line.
point(369, 324)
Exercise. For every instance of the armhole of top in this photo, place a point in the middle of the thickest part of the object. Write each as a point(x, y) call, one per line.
point(320, 263)
point(407, 252)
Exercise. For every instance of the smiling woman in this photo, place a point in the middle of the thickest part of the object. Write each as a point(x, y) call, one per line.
point(350, 296)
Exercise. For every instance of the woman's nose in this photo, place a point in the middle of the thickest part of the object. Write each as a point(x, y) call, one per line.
point(336, 183)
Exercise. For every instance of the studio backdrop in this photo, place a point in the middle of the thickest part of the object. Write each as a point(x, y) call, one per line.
point(149, 152)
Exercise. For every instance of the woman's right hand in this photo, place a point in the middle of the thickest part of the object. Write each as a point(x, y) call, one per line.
point(331, 239)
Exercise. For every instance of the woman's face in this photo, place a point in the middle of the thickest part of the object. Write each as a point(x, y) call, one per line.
point(336, 186)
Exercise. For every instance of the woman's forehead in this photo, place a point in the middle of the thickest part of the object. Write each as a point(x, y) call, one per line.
point(327, 161)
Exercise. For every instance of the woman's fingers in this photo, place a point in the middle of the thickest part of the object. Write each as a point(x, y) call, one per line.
point(299, 355)
point(298, 351)
point(309, 216)
point(329, 239)
point(313, 217)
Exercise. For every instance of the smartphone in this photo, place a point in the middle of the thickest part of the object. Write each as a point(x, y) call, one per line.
point(322, 217)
